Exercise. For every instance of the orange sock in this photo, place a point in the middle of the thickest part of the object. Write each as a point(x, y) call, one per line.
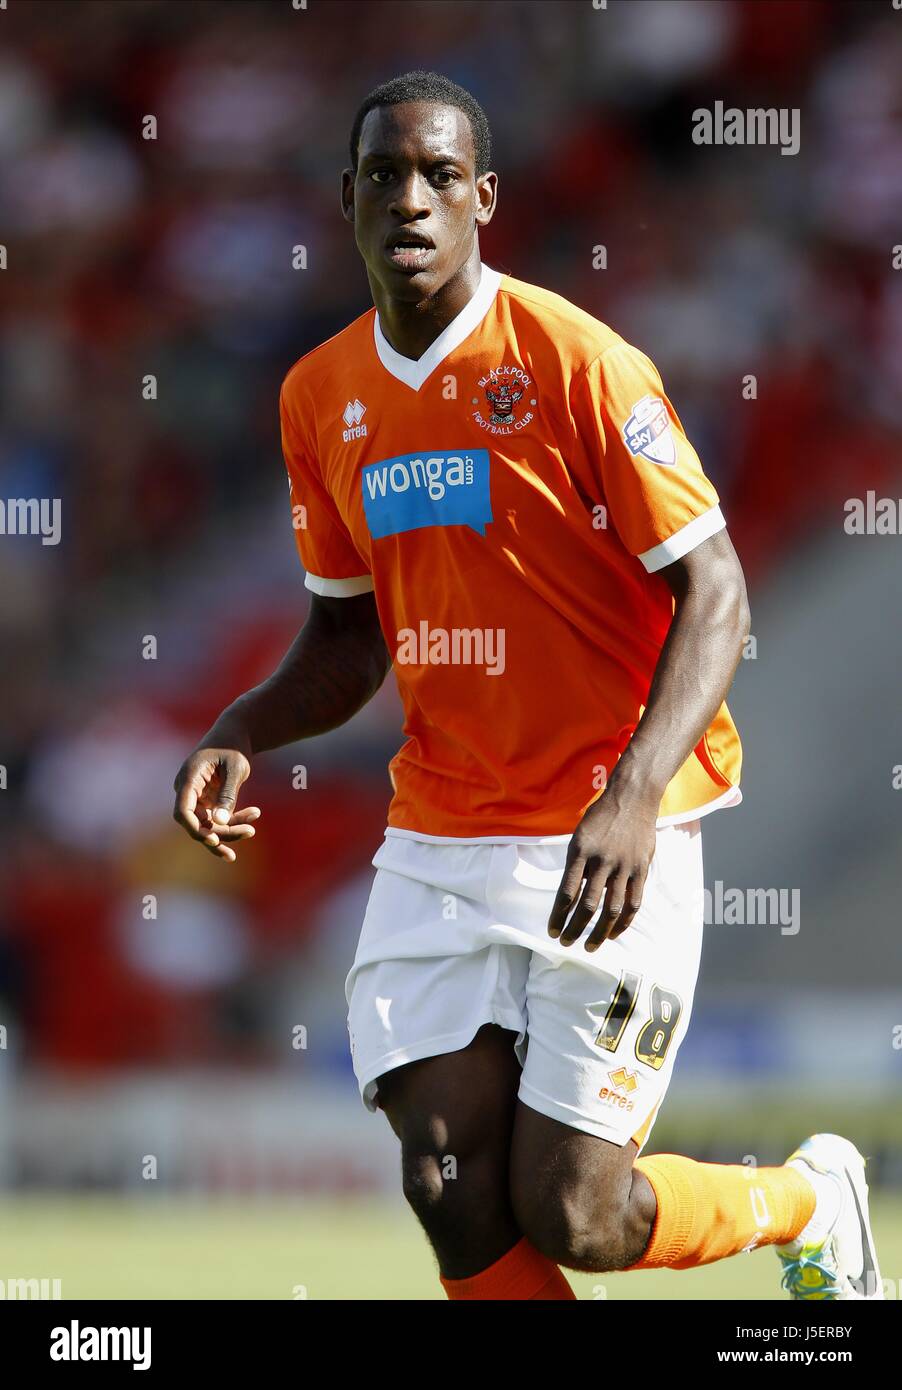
point(522, 1274)
point(707, 1211)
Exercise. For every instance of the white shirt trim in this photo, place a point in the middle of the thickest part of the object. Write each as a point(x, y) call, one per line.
point(731, 797)
point(684, 540)
point(414, 371)
point(339, 588)
point(478, 839)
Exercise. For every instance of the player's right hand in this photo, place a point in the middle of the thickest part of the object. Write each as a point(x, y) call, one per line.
point(206, 790)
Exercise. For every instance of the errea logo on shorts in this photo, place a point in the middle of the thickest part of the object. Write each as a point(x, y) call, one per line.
point(647, 431)
point(352, 415)
point(617, 1094)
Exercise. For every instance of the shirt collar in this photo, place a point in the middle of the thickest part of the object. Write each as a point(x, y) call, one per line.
point(414, 371)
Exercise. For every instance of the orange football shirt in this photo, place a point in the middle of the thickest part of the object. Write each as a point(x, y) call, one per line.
point(510, 497)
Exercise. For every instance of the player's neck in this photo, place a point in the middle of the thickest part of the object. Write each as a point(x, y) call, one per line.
point(411, 328)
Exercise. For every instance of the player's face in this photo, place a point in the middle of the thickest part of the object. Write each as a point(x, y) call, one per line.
point(415, 200)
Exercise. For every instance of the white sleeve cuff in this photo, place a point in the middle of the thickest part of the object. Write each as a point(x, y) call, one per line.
point(339, 588)
point(684, 540)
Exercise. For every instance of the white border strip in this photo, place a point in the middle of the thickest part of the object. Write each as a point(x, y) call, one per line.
point(684, 540)
point(731, 797)
point(478, 839)
point(339, 588)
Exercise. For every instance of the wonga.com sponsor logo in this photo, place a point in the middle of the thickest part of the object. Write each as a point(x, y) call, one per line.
point(428, 489)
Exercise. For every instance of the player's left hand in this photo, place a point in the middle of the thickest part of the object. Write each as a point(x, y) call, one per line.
point(609, 854)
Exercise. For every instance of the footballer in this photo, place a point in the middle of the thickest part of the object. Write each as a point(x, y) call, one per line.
point(498, 499)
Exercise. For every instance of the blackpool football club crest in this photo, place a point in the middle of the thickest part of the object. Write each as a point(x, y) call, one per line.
point(503, 398)
point(508, 394)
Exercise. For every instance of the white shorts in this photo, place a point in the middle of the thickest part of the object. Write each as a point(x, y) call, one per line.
point(455, 936)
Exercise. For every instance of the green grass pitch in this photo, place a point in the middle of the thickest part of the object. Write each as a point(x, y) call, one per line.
point(265, 1248)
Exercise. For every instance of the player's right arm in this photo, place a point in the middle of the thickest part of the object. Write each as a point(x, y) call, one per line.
point(333, 667)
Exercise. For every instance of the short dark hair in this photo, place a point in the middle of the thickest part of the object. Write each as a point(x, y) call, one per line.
point(429, 86)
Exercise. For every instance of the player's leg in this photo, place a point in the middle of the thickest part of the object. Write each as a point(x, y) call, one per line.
point(589, 1204)
point(604, 1032)
point(436, 1017)
point(579, 1195)
point(454, 1117)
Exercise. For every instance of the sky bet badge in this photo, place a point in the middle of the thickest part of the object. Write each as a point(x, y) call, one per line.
point(647, 431)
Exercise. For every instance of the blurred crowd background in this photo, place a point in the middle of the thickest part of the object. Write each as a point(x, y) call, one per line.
point(172, 256)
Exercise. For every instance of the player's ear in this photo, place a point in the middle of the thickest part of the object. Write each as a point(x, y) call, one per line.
point(347, 194)
point(486, 198)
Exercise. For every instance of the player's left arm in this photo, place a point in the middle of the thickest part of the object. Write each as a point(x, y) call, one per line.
point(613, 845)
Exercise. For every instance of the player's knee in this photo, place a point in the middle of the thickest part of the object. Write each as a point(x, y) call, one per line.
point(448, 1189)
point(574, 1226)
point(423, 1183)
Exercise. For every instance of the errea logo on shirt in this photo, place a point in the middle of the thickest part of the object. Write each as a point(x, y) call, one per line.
point(352, 415)
point(647, 431)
